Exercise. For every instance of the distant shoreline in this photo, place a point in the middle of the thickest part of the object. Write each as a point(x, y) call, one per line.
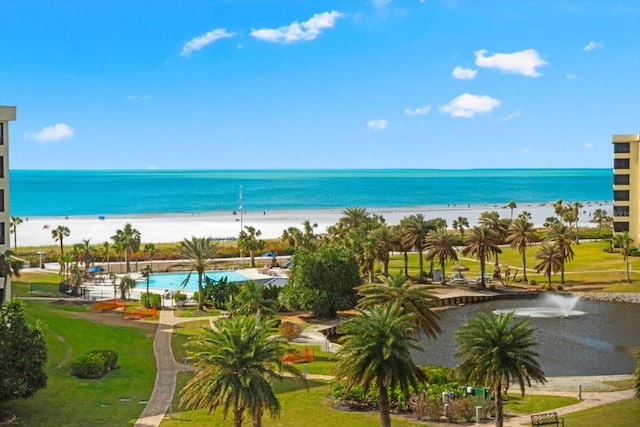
point(174, 227)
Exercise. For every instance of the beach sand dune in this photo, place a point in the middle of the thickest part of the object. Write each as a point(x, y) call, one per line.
point(161, 228)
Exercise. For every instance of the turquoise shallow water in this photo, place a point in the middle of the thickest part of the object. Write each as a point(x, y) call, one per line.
point(54, 193)
point(172, 281)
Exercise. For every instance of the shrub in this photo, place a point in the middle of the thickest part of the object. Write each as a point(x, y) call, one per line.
point(290, 330)
point(151, 300)
point(607, 246)
point(94, 364)
point(462, 409)
point(560, 288)
point(532, 282)
point(428, 407)
point(179, 297)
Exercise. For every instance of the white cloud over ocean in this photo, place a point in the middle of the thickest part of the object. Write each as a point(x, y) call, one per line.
point(468, 105)
point(525, 62)
point(53, 133)
point(296, 31)
point(199, 42)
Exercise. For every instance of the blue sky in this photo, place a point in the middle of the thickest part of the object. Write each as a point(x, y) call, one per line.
point(318, 84)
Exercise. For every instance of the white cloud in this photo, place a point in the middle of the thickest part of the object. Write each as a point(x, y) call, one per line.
point(138, 97)
point(524, 62)
point(199, 42)
point(571, 76)
point(418, 111)
point(468, 105)
point(53, 133)
point(377, 125)
point(511, 116)
point(297, 31)
point(464, 73)
point(593, 45)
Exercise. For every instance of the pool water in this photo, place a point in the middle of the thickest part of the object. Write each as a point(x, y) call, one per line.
point(172, 281)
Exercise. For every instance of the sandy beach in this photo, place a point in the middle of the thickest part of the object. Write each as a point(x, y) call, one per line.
point(161, 228)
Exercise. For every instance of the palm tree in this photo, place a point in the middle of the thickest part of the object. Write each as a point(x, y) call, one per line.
point(440, 246)
point(126, 284)
point(248, 241)
point(13, 229)
point(550, 260)
point(481, 242)
point(623, 241)
point(10, 266)
point(396, 241)
point(459, 224)
point(292, 236)
point(560, 236)
point(150, 250)
point(600, 216)
point(87, 252)
point(414, 231)
point(497, 351)
point(375, 354)
point(354, 217)
point(105, 250)
point(146, 273)
point(236, 361)
point(308, 237)
point(119, 249)
point(512, 205)
point(250, 301)
point(200, 252)
point(58, 234)
point(521, 236)
point(499, 226)
point(576, 206)
point(413, 299)
point(385, 243)
point(130, 239)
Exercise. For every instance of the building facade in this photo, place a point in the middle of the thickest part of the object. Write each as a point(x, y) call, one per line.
point(626, 185)
point(7, 114)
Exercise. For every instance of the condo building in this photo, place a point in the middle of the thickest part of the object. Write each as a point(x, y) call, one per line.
point(626, 185)
point(7, 114)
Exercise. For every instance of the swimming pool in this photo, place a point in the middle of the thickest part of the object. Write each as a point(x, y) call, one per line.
point(172, 281)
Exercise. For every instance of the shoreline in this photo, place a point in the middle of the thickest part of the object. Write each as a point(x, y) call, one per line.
point(35, 231)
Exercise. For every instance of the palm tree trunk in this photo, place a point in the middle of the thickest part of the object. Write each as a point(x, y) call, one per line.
point(200, 291)
point(127, 255)
point(385, 418)
point(406, 264)
point(627, 262)
point(499, 411)
point(237, 416)
point(442, 272)
point(524, 265)
point(420, 265)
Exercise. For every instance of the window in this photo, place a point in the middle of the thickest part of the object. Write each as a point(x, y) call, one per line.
point(621, 211)
point(621, 195)
point(621, 163)
point(1, 200)
point(1, 133)
point(620, 226)
point(1, 166)
point(621, 179)
point(2, 242)
point(621, 147)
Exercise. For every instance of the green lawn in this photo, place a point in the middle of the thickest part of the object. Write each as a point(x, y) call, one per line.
point(618, 414)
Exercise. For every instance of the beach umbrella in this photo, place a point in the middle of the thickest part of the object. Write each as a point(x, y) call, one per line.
point(96, 269)
point(270, 254)
point(460, 267)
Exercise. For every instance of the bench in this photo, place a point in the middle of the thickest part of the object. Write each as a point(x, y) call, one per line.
point(549, 418)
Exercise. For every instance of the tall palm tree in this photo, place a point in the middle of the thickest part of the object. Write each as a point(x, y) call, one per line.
point(576, 206)
point(459, 224)
point(560, 236)
point(248, 241)
point(130, 239)
point(375, 354)
point(550, 260)
point(237, 359)
point(385, 243)
point(601, 216)
point(292, 236)
point(512, 205)
point(483, 243)
point(521, 236)
point(146, 273)
point(105, 250)
point(398, 245)
point(200, 252)
point(250, 301)
point(355, 216)
point(10, 266)
point(440, 246)
point(87, 252)
point(150, 250)
point(414, 299)
point(58, 234)
point(13, 229)
point(623, 241)
point(499, 226)
point(414, 231)
point(126, 284)
point(496, 351)
point(308, 238)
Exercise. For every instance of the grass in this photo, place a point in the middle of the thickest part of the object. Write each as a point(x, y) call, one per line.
point(192, 311)
point(618, 414)
point(534, 403)
point(69, 401)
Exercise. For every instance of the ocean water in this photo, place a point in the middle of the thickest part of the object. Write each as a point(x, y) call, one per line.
point(74, 192)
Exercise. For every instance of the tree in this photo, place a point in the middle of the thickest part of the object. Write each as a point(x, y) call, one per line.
point(308, 238)
point(58, 234)
point(87, 252)
point(236, 361)
point(521, 236)
point(126, 284)
point(512, 205)
point(150, 250)
point(200, 252)
point(481, 242)
point(440, 246)
point(414, 299)
point(560, 236)
point(601, 216)
point(499, 226)
point(251, 301)
point(323, 281)
point(459, 224)
point(10, 266)
point(146, 273)
point(623, 241)
point(292, 236)
point(129, 237)
point(498, 351)
point(248, 241)
point(375, 354)
point(23, 354)
point(550, 260)
point(414, 231)
point(575, 207)
point(13, 229)
point(354, 217)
